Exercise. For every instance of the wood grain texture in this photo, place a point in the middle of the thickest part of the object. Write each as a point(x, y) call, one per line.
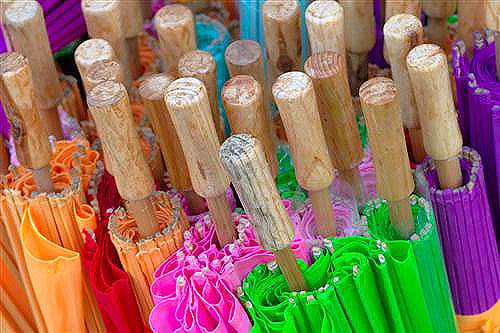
point(244, 106)
point(402, 32)
point(132, 25)
point(437, 13)
point(189, 109)
point(493, 15)
point(282, 36)
point(394, 7)
point(110, 108)
point(296, 101)
point(201, 65)
point(220, 212)
point(325, 26)
point(360, 37)
point(102, 71)
point(152, 91)
point(175, 27)
point(428, 69)
point(90, 52)
point(18, 98)
point(291, 271)
point(4, 159)
point(380, 103)
point(25, 26)
point(402, 217)
point(324, 218)
point(244, 57)
point(103, 20)
point(244, 160)
point(329, 77)
point(472, 17)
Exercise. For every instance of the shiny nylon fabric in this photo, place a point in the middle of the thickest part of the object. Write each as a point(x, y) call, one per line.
point(358, 284)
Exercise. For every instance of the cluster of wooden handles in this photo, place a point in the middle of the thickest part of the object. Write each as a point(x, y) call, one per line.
point(316, 109)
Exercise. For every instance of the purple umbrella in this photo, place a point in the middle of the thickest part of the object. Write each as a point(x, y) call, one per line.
point(478, 99)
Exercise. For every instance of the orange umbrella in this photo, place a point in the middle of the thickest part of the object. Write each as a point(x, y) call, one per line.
point(45, 230)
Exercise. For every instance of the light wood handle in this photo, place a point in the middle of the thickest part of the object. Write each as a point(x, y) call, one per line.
point(110, 108)
point(90, 52)
point(325, 27)
point(296, 101)
point(329, 76)
point(102, 71)
point(103, 20)
point(359, 28)
point(152, 91)
point(244, 106)
point(175, 27)
point(380, 103)
point(201, 65)
point(189, 109)
point(25, 26)
point(244, 159)
point(30, 137)
point(402, 32)
point(282, 35)
point(437, 19)
point(131, 16)
point(493, 15)
point(4, 159)
point(428, 69)
point(471, 17)
point(188, 106)
point(394, 7)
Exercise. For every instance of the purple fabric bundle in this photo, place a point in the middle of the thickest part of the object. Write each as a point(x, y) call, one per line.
point(467, 237)
point(478, 98)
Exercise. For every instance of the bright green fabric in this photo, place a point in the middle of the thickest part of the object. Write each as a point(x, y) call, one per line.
point(362, 285)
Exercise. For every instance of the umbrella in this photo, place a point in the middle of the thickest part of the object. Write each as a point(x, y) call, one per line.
point(150, 226)
point(476, 88)
point(29, 37)
point(403, 32)
point(53, 220)
point(457, 191)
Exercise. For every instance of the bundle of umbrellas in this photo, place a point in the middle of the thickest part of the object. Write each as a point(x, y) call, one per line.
point(137, 212)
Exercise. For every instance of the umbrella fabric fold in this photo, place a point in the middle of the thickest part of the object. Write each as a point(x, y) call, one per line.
point(478, 97)
point(194, 289)
point(468, 239)
point(45, 233)
point(359, 284)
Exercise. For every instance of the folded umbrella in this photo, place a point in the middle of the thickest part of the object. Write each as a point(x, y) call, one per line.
point(456, 190)
point(477, 97)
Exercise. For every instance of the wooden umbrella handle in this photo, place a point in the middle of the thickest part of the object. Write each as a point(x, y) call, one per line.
point(325, 27)
point(329, 76)
point(296, 101)
point(201, 65)
point(132, 25)
point(189, 109)
point(4, 158)
point(380, 103)
point(102, 71)
point(428, 69)
point(90, 52)
point(402, 32)
point(109, 104)
point(175, 27)
point(103, 19)
point(360, 37)
point(437, 13)
point(25, 26)
point(471, 17)
point(244, 105)
point(152, 91)
point(244, 159)
point(30, 137)
point(282, 36)
point(394, 7)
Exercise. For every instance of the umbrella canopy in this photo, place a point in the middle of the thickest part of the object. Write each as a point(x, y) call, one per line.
point(478, 95)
